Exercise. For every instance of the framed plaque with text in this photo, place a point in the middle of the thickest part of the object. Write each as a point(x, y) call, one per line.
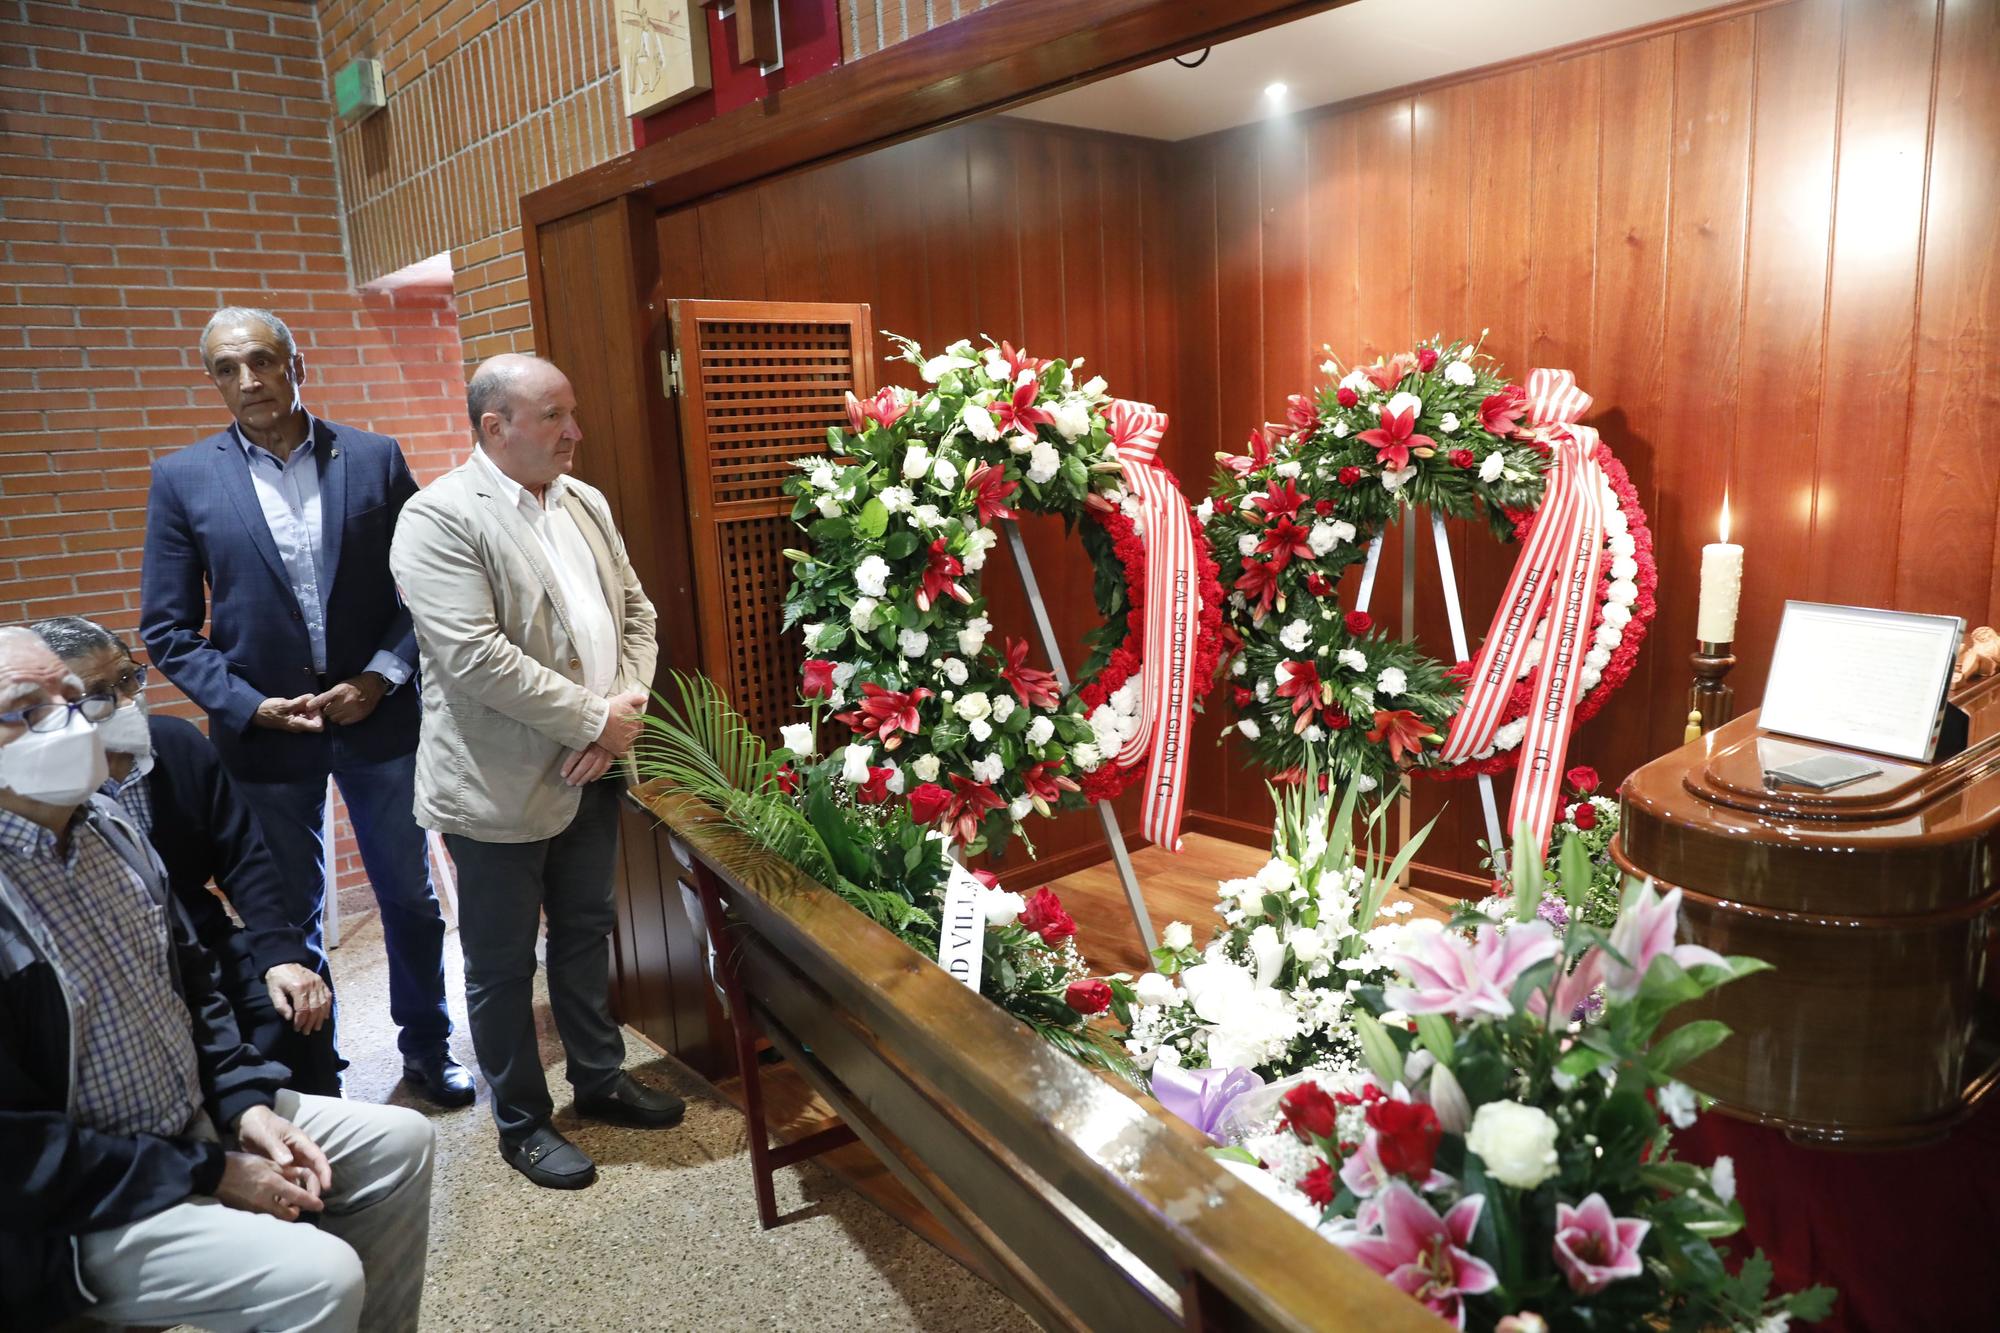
point(1866, 679)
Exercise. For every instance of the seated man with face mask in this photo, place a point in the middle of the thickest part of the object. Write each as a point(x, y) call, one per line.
point(170, 782)
point(156, 1172)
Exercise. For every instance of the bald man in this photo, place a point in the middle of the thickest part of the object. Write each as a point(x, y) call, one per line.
point(537, 648)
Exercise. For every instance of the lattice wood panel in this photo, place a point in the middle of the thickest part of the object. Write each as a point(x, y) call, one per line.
point(760, 383)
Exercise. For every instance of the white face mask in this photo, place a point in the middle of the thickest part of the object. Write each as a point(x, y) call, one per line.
point(125, 731)
point(55, 767)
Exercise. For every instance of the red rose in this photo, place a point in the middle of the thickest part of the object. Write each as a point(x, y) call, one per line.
point(1089, 996)
point(818, 678)
point(1045, 916)
point(1359, 622)
point(1584, 816)
point(1426, 358)
point(876, 790)
point(1336, 719)
point(1406, 1137)
point(1309, 1111)
point(1318, 1185)
point(787, 779)
point(1582, 778)
point(928, 802)
point(1324, 508)
point(1462, 458)
point(1350, 475)
point(1318, 584)
point(1347, 397)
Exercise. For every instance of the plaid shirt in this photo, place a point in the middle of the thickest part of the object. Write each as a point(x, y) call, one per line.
point(134, 797)
point(136, 1070)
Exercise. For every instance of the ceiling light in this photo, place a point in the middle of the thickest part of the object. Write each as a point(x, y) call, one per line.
point(1274, 92)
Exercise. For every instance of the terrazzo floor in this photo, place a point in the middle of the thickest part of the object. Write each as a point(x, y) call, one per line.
point(667, 1239)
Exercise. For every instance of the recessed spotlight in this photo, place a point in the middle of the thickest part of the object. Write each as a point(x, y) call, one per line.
point(1274, 92)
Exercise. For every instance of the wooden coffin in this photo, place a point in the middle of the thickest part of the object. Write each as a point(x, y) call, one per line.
point(1083, 1200)
point(1875, 903)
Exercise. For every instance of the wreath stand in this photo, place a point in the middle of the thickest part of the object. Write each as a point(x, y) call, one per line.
point(1456, 616)
point(1114, 837)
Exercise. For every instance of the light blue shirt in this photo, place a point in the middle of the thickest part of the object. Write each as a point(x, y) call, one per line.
point(288, 491)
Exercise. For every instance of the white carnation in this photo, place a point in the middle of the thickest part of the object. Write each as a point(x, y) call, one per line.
point(1405, 402)
point(1353, 659)
point(973, 637)
point(1246, 544)
point(1295, 636)
point(896, 499)
point(1392, 681)
point(1072, 418)
point(977, 543)
point(1322, 538)
point(1085, 757)
point(871, 576)
point(1341, 429)
point(1251, 731)
point(989, 770)
point(1003, 707)
point(1039, 732)
point(981, 729)
point(913, 642)
point(980, 422)
point(1517, 1143)
point(829, 506)
point(1043, 463)
point(1205, 511)
point(954, 670)
point(1358, 381)
point(1394, 479)
point(1459, 373)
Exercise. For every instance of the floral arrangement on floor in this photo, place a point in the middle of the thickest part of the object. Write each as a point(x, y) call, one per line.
point(1580, 853)
point(1503, 1162)
point(901, 516)
point(836, 819)
point(1439, 427)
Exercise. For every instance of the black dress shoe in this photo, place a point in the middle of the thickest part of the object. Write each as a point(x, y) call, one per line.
point(441, 1079)
point(629, 1102)
point(550, 1160)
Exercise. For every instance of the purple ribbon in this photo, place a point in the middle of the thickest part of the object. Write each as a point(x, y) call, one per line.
point(1200, 1096)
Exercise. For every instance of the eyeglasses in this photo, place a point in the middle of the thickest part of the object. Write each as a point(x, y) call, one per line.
point(128, 685)
point(55, 716)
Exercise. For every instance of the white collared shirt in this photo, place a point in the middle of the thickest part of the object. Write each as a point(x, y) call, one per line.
point(575, 568)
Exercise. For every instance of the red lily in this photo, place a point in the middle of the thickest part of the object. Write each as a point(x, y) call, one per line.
point(1387, 375)
point(818, 682)
point(970, 801)
point(1302, 688)
point(883, 713)
point(1318, 584)
point(1501, 412)
point(1403, 730)
point(1259, 455)
point(1302, 412)
point(1020, 413)
point(1034, 687)
point(1284, 542)
point(1393, 440)
point(1045, 783)
point(1259, 584)
point(1282, 500)
point(941, 573)
point(876, 790)
point(1018, 362)
point(991, 489)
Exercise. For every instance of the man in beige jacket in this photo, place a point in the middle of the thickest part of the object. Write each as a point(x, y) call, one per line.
point(537, 651)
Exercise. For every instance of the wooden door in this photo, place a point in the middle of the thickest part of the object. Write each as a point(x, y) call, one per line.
point(756, 385)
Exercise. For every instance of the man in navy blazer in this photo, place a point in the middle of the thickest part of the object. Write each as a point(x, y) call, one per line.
point(274, 535)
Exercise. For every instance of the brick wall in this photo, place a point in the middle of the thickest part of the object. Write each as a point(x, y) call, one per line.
point(866, 26)
point(488, 100)
point(159, 158)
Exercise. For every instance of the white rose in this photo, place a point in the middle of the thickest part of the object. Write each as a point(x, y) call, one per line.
point(926, 768)
point(1156, 991)
point(1251, 731)
point(829, 507)
point(954, 670)
point(1001, 907)
point(1072, 418)
point(988, 770)
point(1352, 659)
point(1094, 386)
point(1406, 402)
point(980, 422)
point(916, 462)
point(798, 738)
point(1517, 1143)
point(1449, 421)
point(1177, 936)
point(913, 642)
point(1043, 463)
point(862, 614)
point(1246, 544)
point(854, 763)
point(1489, 471)
point(1459, 373)
point(981, 729)
point(1039, 732)
point(945, 473)
point(1392, 681)
point(1295, 636)
point(1307, 946)
point(973, 705)
point(973, 637)
point(872, 576)
point(1003, 708)
point(821, 478)
point(1085, 757)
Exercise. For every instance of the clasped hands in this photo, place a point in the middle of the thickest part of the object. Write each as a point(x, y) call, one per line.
point(344, 704)
point(623, 720)
point(276, 1168)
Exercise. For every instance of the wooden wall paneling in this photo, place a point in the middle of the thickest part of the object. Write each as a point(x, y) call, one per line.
point(900, 299)
point(1627, 378)
point(1280, 147)
point(943, 213)
point(678, 238)
point(732, 246)
point(792, 238)
point(1710, 174)
point(1872, 298)
point(1946, 557)
point(1159, 326)
point(1119, 355)
point(845, 210)
point(1562, 226)
point(1081, 270)
point(1776, 419)
point(994, 264)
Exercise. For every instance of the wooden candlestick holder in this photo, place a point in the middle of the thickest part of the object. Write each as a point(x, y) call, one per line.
point(1711, 702)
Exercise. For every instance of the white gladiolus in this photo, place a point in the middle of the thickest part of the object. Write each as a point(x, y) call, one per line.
point(871, 576)
point(916, 462)
point(1517, 1143)
point(798, 738)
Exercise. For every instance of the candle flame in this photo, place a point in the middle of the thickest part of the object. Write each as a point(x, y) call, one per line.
point(1725, 518)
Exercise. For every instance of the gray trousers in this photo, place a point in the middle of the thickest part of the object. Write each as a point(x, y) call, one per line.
point(504, 889)
point(358, 1264)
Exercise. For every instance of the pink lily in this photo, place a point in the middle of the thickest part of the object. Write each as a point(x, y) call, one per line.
point(1469, 979)
point(885, 409)
point(1595, 1249)
point(1573, 990)
point(1427, 1255)
point(1645, 930)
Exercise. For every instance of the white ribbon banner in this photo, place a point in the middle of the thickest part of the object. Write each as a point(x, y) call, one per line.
point(962, 927)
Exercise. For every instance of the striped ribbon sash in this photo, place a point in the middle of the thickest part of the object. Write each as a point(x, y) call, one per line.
point(1173, 607)
point(1553, 589)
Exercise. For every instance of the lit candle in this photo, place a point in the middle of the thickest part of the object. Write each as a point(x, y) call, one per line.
point(1721, 584)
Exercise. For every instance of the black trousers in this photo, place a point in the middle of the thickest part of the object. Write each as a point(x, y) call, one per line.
point(315, 1066)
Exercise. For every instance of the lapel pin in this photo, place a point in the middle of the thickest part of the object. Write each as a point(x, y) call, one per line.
point(334, 454)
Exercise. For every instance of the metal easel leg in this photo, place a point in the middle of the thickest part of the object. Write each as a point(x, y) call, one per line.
point(1458, 646)
point(1113, 836)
